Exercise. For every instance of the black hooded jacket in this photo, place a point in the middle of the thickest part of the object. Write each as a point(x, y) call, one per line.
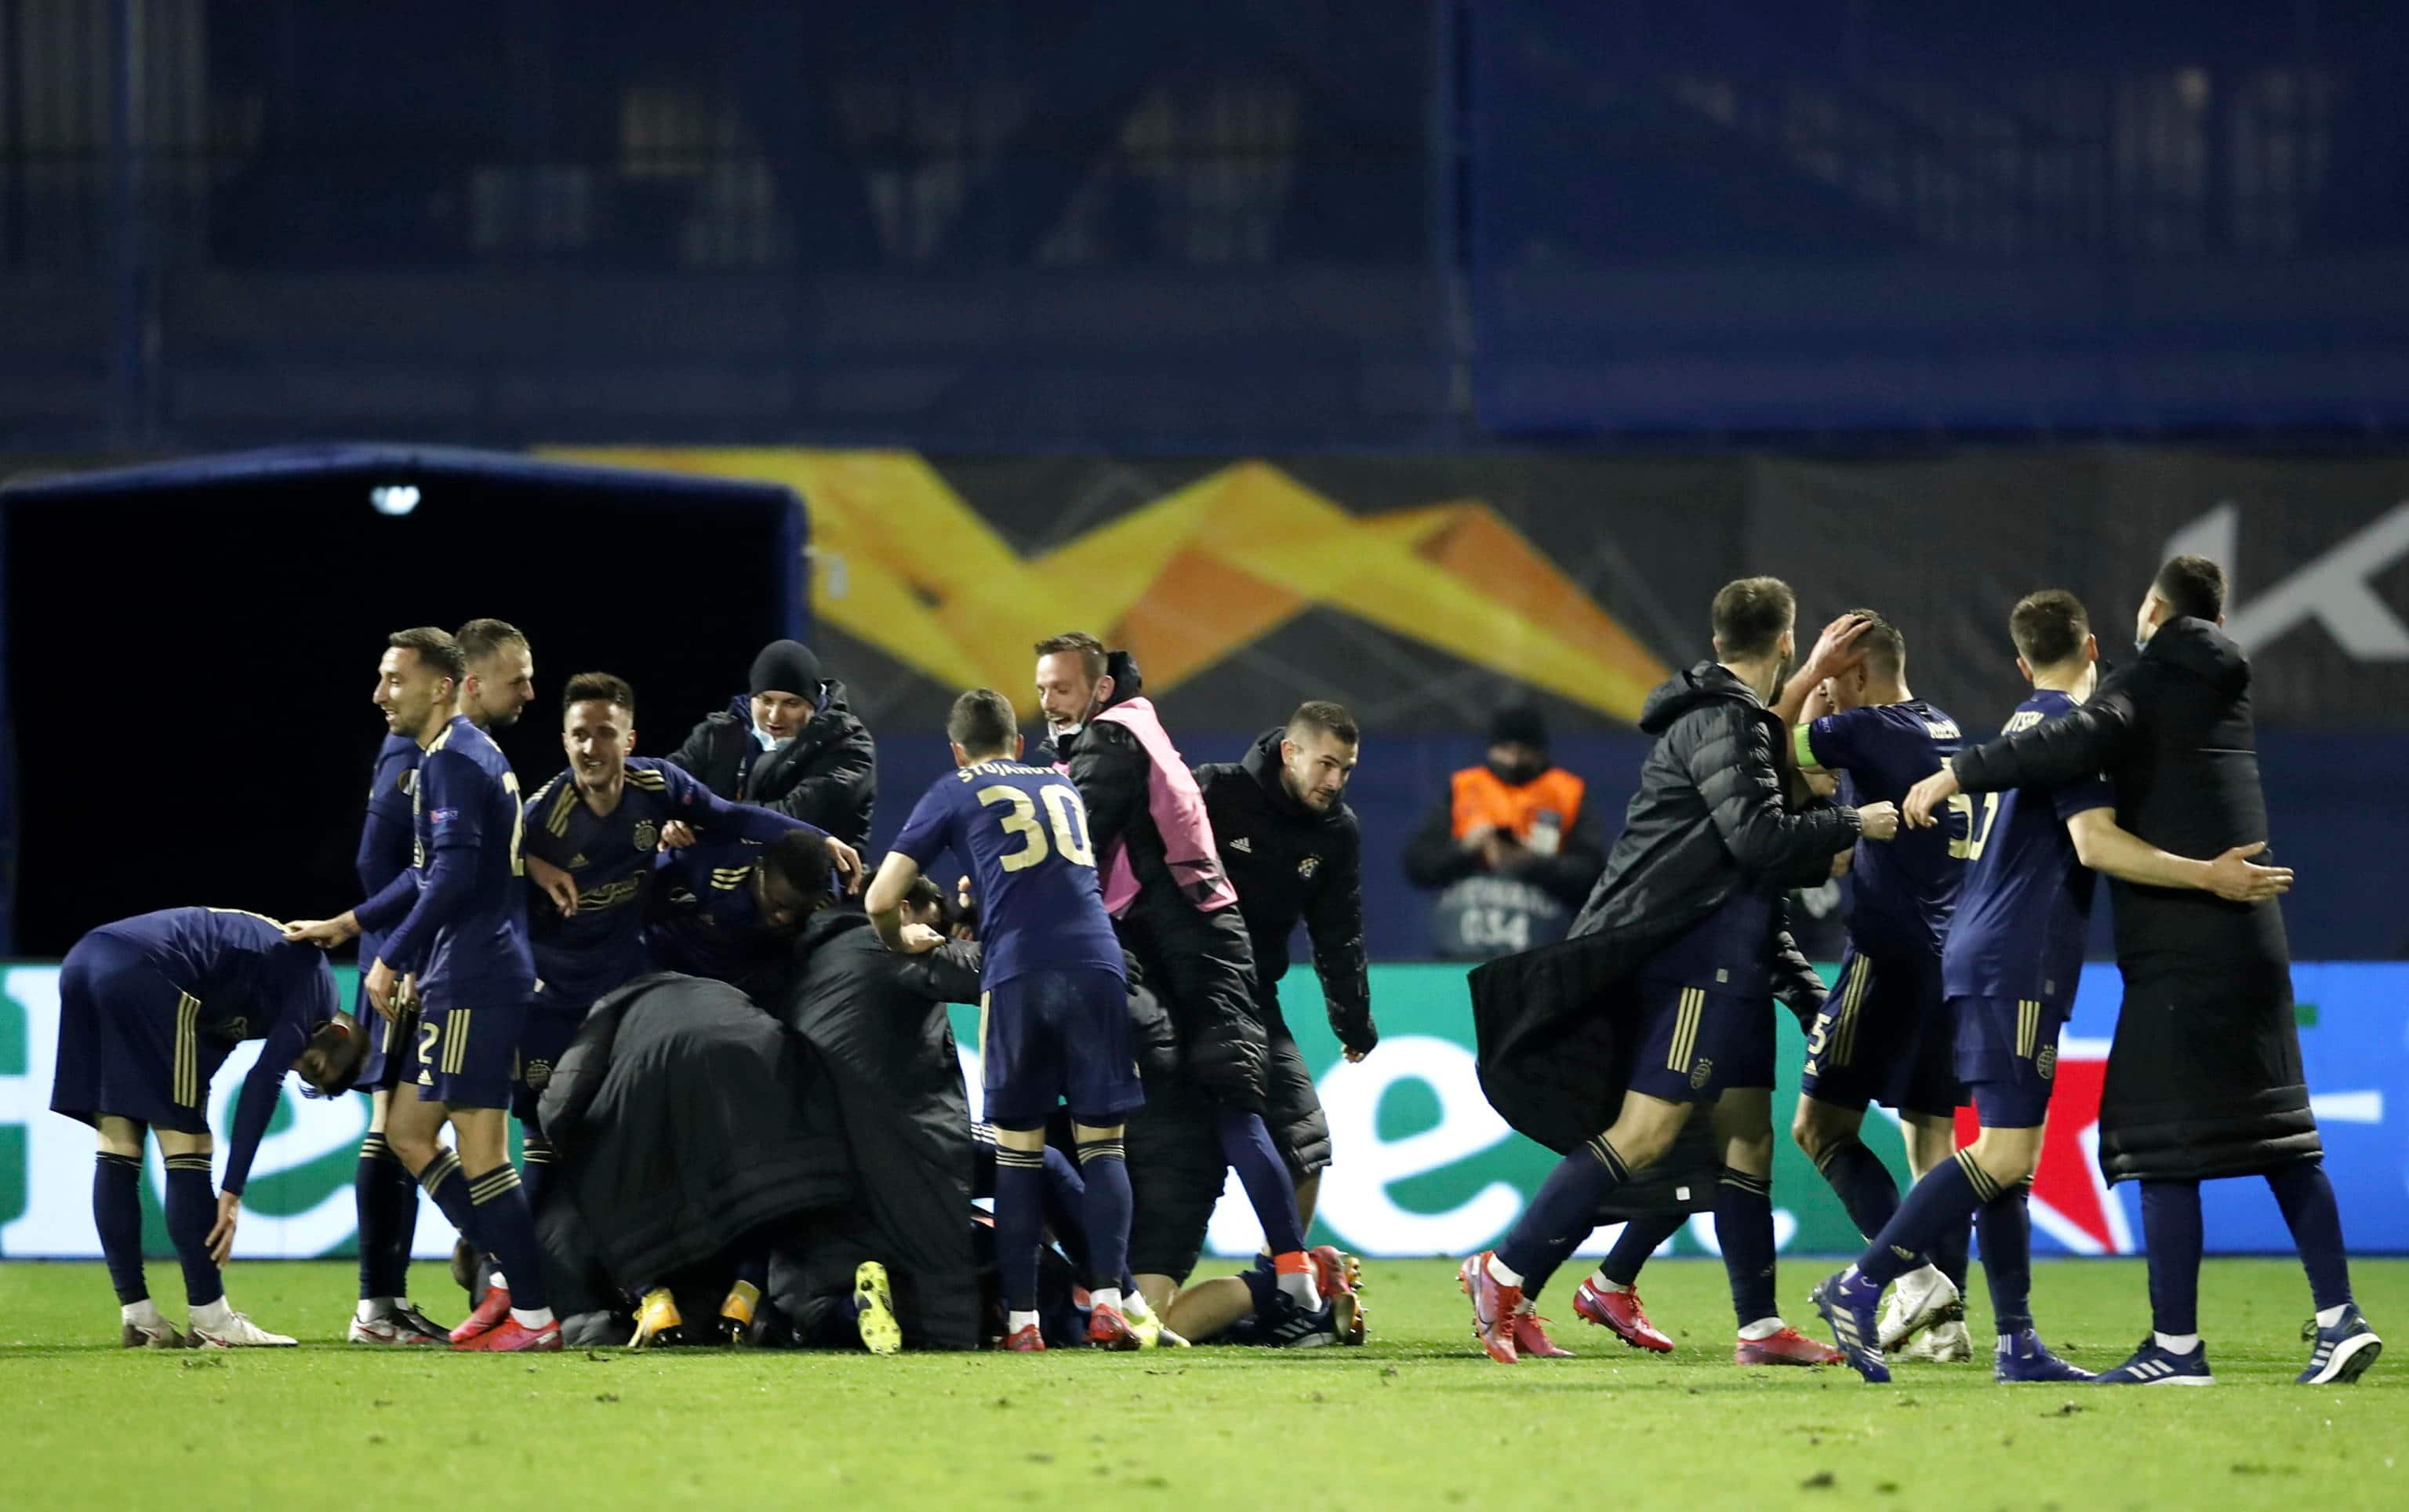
point(1293, 864)
point(826, 775)
point(1201, 964)
point(2204, 1078)
point(1713, 814)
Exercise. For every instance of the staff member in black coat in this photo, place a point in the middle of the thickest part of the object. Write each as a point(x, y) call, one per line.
point(1291, 846)
point(789, 744)
point(2204, 1075)
point(1600, 1044)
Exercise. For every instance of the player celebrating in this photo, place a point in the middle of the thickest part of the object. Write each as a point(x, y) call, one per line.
point(1884, 1033)
point(149, 1009)
point(2204, 1075)
point(457, 922)
point(1054, 1006)
point(2008, 972)
point(383, 1191)
point(1682, 935)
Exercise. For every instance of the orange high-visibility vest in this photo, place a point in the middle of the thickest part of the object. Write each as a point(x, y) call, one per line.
point(1480, 798)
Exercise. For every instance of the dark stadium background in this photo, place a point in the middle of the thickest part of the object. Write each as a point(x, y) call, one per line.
point(1923, 307)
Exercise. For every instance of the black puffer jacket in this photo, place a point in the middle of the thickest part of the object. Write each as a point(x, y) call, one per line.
point(683, 1118)
point(877, 1022)
point(2204, 1074)
point(1201, 964)
point(828, 775)
point(1293, 864)
point(1713, 814)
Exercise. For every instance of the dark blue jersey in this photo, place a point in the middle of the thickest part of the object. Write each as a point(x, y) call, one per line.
point(459, 920)
point(2027, 903)
point(386, 847)
point(1903, 890)
point(705, 920)
point(610, 858)
point(246, 983)
point(1023, 833)
point(1729, 951)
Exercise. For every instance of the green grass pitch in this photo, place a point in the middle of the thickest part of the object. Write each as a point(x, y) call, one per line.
point(1418, 1419)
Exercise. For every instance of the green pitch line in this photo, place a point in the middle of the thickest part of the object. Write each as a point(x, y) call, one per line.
point(1418, 1419)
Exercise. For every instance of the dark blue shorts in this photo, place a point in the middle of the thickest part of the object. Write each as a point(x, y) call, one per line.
point(389, 1056)
point(1057, 1036)
point(546, 1039)
point(466, 1058)
point(1884, 1036)
point(2007, 1056)
point(1691, 1045)
point(130, 1043)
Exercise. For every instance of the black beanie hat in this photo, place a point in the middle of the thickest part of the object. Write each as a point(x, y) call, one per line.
point(1522, 725)
point(786, 666)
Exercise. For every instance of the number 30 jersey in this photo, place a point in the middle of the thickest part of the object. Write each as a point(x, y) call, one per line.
point(1022, 833)
point(2025, 901)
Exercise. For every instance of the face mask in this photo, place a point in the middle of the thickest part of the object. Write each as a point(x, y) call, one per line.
point(1517, 774)
point(761, 738)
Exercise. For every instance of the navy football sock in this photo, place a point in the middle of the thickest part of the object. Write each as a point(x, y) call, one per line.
point(1942, 1203)
point(2306, 1193)
point(1744, 1231)
point(397, 1221)
point(1640, 1238)
point(1862, 1182)
point(1564, 1209)
point(1019, 1216)
point(192, 1213)
point(535, 1167)
point(1950, 1252)
point(1247, 1144)
point(2171, 1231)
point(1105, 1215)
point(448, 1186)
point(507, 1227)
point(116, 1213)
point(376, 1181)
point(1066, 1206)
point(2005, 1225)
point(1535, 1279)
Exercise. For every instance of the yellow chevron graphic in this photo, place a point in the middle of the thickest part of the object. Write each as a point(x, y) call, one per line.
point(901, 561)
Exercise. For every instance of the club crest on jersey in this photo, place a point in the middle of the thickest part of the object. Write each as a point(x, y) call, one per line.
point(407, 780)
point(2046, 1062)
point(1308, 866)
point(1700, 1073)
point(536, 1073)
point(648, 834)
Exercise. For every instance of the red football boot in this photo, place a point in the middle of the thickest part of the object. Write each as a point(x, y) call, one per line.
point(487, 1318)
point(1494, 1306)
point(1787, 1347)
point(513, 1337)
point(1531, 1337)
point(1027, 1341)
point(1108, 1330)
point(1620, 1314)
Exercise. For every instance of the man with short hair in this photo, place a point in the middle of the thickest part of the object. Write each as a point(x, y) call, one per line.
point(149, 1009)
point(727, 909)
point(593, 833)
point(1173, 905)
point(790, 744)
point(1294, 853)
point(2204, 1077)
point(1682, 941)
point(1054, 1001)
point(1883, 1035)
point(500, 683)
point(457, 922)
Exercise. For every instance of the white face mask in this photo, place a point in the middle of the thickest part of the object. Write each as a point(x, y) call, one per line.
point(761, 738)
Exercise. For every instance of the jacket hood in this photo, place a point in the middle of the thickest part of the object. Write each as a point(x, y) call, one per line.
point(1127, 682)
point(1707, 682)
point(2198, 650)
